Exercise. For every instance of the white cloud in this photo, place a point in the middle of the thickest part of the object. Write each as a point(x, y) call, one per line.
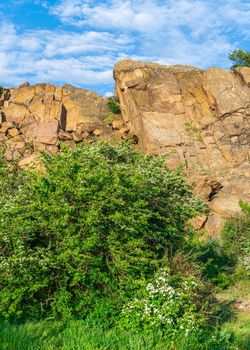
point(108, 94)
point(150, 15)
point(178, 31)
point(82, 58)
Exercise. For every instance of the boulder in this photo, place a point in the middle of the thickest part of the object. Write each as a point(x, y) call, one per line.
point(45, 133)
point(32, 161)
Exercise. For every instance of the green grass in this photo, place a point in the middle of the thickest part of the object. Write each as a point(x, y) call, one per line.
point(239, 291)
point(76, 335)
point(240, 325)
point(241, 328)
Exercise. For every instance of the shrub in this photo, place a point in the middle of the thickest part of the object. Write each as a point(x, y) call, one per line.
point(79, 238)
point(236, 236)
point(212, 261)
point(173, 304)
point(10, 177)
point(114, 106)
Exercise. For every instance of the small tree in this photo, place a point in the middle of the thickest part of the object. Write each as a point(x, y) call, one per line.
point(240, 58)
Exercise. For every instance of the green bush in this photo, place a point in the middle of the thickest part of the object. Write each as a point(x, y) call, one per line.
point(10, 177)
point(240, 58)
point(79, 238)
point(212, 261)
point(114, 106)
point(236, 237)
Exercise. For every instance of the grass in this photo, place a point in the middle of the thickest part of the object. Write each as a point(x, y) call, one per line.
point(240, 325)
point(75, 335)
point(241, 328)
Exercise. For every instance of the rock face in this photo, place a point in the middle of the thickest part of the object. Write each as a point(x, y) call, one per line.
point(36, 118)
point(200, 119)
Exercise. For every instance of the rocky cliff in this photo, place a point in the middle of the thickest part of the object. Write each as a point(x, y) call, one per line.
point(198, 119)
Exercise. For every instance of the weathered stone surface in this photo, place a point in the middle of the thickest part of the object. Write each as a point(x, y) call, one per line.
point(46, 133)
point(31, 161)
point(64, 136)
point(197, 118)
point(82, 106)
point(43, 102)
point(6, 126)
point(118, 123)
point(13, 132)
point(97, 132)
point(44, 114)
point(244, 72)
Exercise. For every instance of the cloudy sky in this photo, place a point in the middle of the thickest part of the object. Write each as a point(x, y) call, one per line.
point(79, 41)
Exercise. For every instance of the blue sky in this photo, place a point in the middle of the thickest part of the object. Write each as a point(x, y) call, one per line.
point(78, 42)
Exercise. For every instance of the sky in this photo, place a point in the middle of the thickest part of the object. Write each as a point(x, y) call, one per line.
point(78, 41)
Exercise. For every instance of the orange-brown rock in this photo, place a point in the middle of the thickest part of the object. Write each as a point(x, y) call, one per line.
point(32, 161)
point(199, 119)
point(42, 103)
point(46, 133)
point(44, 114)
point(118, 123)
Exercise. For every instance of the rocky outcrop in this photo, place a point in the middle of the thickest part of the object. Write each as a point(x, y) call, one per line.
point(199, 119)
point(36, 118)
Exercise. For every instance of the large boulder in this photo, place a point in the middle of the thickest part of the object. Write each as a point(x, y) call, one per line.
point(197, 118)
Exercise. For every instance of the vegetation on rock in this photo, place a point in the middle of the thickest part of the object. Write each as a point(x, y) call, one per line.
point(2, 89)
point(114, 106)
point(240, 58)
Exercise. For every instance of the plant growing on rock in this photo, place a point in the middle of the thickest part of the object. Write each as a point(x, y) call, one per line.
point(2, 89)
point(114, 106)
point(240, 58)
point(81, 237)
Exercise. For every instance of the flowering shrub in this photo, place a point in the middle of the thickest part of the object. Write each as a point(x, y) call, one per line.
point(171, 304)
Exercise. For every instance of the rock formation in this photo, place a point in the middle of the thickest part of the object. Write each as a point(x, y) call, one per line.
point(36, 118)
point(199, 119)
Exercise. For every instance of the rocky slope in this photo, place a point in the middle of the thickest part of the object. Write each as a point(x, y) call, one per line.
point(198, 119)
